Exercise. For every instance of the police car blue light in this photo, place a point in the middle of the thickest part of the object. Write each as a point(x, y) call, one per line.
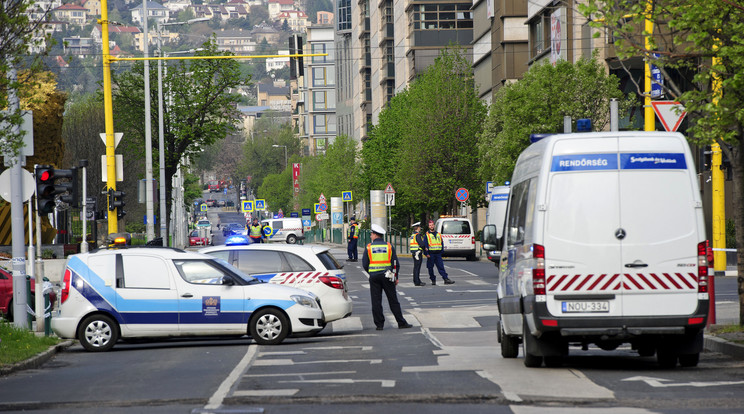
point(237, 240)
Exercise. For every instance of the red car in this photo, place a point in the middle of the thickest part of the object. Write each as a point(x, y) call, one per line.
point(6, 294)
point(195, 240)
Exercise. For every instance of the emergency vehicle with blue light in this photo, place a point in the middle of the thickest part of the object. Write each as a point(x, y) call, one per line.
point(604, 245)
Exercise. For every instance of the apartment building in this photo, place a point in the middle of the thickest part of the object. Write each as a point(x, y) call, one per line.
point(319, 91)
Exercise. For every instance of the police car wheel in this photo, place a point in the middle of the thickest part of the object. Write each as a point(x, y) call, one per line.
point(269, 327)
point(291, 239)
point(98, 333)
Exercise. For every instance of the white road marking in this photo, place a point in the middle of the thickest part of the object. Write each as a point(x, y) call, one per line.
point(215, 401)
point(267, 393)
point(276, 362)
point(383, 383)
point(299, 374)
point(462, 270)
point(334, 348)
point(261, 354)
point(660, 382)
point(348, 324)
point(475, 291)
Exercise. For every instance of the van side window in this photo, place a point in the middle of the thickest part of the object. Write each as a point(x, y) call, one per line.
point(278, 225)
point(144, 272)
point(520, 216)
point(103, 267)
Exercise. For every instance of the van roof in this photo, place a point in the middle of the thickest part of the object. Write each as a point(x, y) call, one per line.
point(164, 252)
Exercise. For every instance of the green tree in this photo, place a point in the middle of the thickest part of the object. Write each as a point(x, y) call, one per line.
point(17, 31)
point(338, 170)
point(258, 14)
point(430, 131)
point(318, 5)
point(199, 110)
point(537, 104)
point(701, 41)
point(260, 157)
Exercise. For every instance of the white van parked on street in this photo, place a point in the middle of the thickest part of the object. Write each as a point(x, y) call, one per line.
point(458, 239)
point(604, 244)
point(495, 216)
point(287, 229)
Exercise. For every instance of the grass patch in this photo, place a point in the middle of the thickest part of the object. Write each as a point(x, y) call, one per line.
point(20, 344)
point(715, 329)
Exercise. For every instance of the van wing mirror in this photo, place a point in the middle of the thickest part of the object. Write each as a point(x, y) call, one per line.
point(488, 237)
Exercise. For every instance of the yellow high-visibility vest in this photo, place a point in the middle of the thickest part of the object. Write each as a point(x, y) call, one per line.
point(435, 242)
point(380, 257)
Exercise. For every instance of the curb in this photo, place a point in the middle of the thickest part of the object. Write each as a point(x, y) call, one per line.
point(715, 344)
point(35, 361)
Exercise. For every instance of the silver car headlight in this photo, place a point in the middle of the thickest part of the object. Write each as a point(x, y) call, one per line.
point(305, 301)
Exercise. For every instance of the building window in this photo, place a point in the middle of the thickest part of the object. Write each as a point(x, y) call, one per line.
point(319, 100)
point(540, 34)
point(319, 77)
point(441, 16)
point(343, 15)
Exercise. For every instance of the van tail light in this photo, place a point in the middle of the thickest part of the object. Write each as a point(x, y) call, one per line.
point(332, 281)
point(66, 280)
point(703, 267)
point(538, 271)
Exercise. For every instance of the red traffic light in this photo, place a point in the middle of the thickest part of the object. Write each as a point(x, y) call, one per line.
point(45, 175)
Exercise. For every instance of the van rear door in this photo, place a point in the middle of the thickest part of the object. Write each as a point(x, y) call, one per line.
point(660, 215)
point(582, 253)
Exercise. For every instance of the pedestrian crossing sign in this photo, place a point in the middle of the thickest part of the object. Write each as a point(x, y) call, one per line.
point(203, 207)
point(247, 206)
point(346, 195)
point(260, 204)
point(317, 209)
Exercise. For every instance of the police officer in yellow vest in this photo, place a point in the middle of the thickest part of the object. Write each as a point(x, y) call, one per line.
point(254, 231)
point(415, 242)
point(381, 262)
point(433, 252)
point(352, 238)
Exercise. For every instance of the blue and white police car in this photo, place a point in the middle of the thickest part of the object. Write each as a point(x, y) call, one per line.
point(107, 295)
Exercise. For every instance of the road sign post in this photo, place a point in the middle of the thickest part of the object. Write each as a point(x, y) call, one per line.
point(389, 201)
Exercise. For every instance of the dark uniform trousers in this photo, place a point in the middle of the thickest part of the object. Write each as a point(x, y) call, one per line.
point(417, 266)
point(352, 249)
point(377, 284)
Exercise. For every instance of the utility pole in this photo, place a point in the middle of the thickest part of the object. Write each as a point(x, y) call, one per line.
point(16, 215)
point(149, 197)
point(718, 199)
point(113, 224)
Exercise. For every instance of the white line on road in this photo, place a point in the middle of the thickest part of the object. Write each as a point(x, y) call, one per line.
point(660, 382)
point(299, 374)
point(383, 383)
point(215, 401)
point(275, 362)
point(267, 393)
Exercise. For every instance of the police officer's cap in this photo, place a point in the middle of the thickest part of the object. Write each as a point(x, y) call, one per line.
point(416, 224)
point(377, 229)
point(353, 218)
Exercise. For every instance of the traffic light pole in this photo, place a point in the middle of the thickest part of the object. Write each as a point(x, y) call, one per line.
point(113, 223)
point(16, 215)
point(84, 244)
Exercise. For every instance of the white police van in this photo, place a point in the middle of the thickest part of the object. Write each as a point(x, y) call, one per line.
point(285, 229)
point(604, 244)
point(494, 228)
point(458, 239)
point(162, 292)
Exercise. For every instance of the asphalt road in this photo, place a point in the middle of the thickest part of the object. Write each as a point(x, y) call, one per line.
point(449, 361)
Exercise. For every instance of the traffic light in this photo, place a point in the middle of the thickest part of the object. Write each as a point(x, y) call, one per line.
point(116, 199)
point(48, 187)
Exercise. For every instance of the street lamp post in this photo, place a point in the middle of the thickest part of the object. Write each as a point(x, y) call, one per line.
point(285, 153)
point(161, 140)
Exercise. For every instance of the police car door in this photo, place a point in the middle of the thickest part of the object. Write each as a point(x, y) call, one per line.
point(146, 297)
point(206, 305)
